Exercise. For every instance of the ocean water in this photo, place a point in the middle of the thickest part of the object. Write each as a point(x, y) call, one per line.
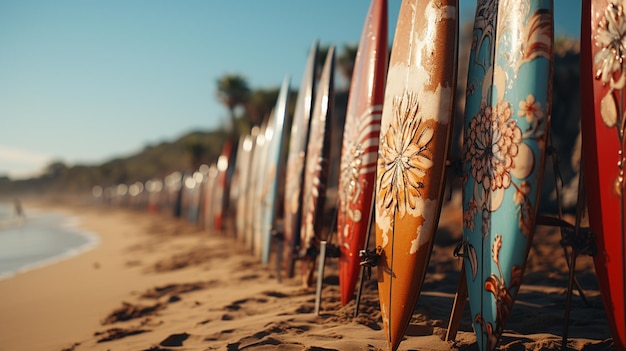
point(38, 239)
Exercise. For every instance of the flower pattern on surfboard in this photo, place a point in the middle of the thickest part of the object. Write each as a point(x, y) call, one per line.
point(506, 123)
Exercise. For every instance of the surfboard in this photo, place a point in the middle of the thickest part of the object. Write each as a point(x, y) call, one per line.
point(244, 159)
point(316, 168)
point(259, 187)
point(175, 191)
point(415, 136)
point(154, 187)
point(603, 123)
point(194, 189)
point(235, 182)
point(296, 159)
point(274, 170)
point(220, 194)
point(505, 129)
point(185, 196)
point(247, 199)
point(208, 190)
point(359, 152)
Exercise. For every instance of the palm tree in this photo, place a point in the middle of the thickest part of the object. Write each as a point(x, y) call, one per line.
point(233, 91)
point(345, 61)
point(260, 104)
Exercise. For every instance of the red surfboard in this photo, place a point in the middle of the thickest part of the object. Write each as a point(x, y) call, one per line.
point(603, 73)
point(359, 152)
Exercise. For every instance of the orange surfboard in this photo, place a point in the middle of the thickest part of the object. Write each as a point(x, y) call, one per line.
point(415, 138)
point(360, 145)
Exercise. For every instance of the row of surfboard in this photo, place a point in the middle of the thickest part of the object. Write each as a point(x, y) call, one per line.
point(396, 142)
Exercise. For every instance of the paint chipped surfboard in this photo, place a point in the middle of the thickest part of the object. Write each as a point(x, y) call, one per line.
point(360, 145)
point(604, 141)
point(316, 168)
point(415, 138)
point(296, 160)
point(505, 129)
point(274, 168)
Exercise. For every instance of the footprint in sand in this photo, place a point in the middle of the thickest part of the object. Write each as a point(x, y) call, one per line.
point(175, 340)
point(239, 306)
point(118, 333)
point(176, 289)
point(220, 335)
point(271, 335)
point(275, 294)
point(251, 306)
point(129, 311)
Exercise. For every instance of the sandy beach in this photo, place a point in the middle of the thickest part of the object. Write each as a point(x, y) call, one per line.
point(157, 283)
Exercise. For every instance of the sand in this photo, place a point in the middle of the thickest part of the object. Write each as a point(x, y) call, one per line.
point(157, 283)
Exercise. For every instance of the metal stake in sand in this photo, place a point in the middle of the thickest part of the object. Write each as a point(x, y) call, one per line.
point(321, 263)
point(460, 299)
point(279, 239)
point(365, 264)
point(320, 277)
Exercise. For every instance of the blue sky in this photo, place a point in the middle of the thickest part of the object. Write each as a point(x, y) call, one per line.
point(83, 81)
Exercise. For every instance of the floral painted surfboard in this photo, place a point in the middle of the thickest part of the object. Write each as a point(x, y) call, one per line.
point(316, 168)
point(296, 159)
point(360, 145)
point(506, 124)
point(415, 136)
point(274, 169)
point(603, 72)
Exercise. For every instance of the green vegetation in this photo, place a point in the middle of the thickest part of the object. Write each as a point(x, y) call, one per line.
point(184, 154)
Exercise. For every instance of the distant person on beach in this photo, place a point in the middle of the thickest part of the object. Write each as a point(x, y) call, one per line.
point(19, 211)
